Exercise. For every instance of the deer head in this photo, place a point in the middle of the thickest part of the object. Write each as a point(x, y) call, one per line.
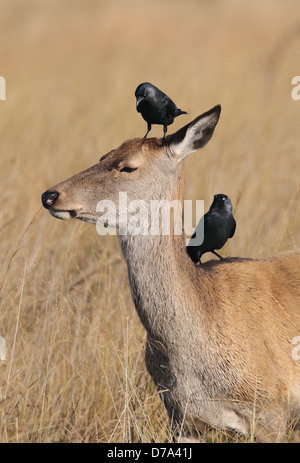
point(146, 169)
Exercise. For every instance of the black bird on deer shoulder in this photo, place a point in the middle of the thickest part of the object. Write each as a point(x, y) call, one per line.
point(155, 107)
point(218, 226)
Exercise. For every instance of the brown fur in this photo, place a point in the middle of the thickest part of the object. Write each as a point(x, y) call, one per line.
point(219, 336)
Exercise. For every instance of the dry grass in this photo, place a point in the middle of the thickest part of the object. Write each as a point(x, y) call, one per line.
point(74, 370)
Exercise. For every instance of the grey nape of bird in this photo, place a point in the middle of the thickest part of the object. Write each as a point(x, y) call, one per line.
point(218, 225)
point(155, 107)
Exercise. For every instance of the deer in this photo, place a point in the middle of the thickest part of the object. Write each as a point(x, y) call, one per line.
point(219, 336)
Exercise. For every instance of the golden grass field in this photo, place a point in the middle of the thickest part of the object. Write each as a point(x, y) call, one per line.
point(74, 369)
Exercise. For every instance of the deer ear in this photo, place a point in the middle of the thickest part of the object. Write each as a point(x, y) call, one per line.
point(194, 135)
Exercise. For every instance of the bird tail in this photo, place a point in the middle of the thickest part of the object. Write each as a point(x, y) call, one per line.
point(193, 253)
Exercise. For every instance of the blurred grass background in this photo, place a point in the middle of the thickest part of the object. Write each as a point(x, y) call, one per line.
point(74, 369)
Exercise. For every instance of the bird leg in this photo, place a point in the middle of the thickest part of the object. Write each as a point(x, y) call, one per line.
point(165, 131)
point(218, 255)
point(149, 128)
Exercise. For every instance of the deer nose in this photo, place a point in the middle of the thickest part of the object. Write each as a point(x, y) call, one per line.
point(49, 198)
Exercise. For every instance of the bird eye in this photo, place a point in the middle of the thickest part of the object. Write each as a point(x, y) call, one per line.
point(128, 169)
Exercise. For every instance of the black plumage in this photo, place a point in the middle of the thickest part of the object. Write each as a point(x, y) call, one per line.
point(219, 225)
point(155, 107)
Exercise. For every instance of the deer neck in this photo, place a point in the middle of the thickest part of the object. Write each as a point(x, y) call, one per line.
point(160, 274)
point(153, 270)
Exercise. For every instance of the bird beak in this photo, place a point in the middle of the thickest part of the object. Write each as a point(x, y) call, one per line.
point(138, 100)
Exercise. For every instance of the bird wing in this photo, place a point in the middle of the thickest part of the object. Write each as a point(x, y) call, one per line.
point(233, 229)
point(214, 232)
point(209, 222)
point(169, 106)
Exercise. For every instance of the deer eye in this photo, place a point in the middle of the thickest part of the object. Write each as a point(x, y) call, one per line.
point(128, 169)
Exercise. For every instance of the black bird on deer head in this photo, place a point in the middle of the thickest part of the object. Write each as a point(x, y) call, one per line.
point(155, 107)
